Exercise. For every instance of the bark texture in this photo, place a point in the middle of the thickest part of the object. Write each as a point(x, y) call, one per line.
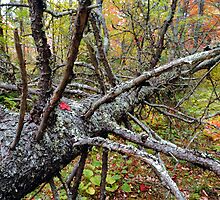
point(37, 8)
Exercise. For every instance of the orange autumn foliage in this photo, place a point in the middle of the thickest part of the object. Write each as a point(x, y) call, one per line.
point(213, 130)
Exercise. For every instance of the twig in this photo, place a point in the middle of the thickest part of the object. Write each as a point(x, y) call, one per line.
point(179, 115)
point(79, 172)
point(194, 88)
point(23, 104)
point(212, 115)
point(53, 13)
point(98, 71)
point(160, 43)
point(66, 188)
point(41, 187)
point(72, 175)
point(101, 51)
point(54, 189)
point(148, 130)
point(104, 173)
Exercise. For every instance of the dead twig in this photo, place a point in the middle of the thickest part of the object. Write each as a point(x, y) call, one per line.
point(23, 104)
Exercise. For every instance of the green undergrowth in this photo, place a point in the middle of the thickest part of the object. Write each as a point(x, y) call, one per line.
point(129, 178)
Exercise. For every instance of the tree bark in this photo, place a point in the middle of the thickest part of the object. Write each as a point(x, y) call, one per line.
point(37, 8)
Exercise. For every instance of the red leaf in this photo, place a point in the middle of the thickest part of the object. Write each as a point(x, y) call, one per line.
point(144, 188)
point(174, 177)
point(64, 106)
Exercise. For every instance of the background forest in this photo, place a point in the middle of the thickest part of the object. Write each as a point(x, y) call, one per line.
point(122, 40)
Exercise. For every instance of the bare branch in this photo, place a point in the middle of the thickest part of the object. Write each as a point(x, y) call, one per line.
point(105, 30)
point(72, 175)
point(98, 71)
point(12, 87)
point(199, 158)
point(101, 51)
point(84, 86)
point(160, 43)
point(206, 64)
point(65, 186)
point(44, 56)
point(39, 190)
point(79, 172)
point(54, 189)
point(143, 126)
point(51, 12)
point(178, 115)
point(23, 104)
point(147, 75)
point(104, 173)
point(157, 166)
point(197, 84)
point(83, 64)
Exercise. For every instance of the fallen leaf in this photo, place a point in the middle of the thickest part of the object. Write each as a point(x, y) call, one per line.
point(64, 106)
point(144, 188)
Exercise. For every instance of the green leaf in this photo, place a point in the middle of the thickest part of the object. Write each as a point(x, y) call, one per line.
point(216, 147)
point(96, 180)
point(131, 175)
point(110, 179)
point(125, 187)
point(88, 173)
point(96, 163)
point(117, 177)
point(90, 190)
point(89, 166)
point(112, 188)
point(129, 162)
point(84, 187)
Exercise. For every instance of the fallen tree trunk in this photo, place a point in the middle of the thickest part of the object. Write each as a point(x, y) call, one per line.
point(32, 163)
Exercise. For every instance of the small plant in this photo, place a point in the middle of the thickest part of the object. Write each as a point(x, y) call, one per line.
point(9, 100)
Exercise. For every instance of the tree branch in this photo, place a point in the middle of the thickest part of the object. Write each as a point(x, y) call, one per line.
point(199, 158)
point(160, 43)
point(157, 166)
point(79, 172)
point(44, 56)
point(23, 104)
point(147, 75)
point(80, 23)
point(101, 50)
point(51, 12)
